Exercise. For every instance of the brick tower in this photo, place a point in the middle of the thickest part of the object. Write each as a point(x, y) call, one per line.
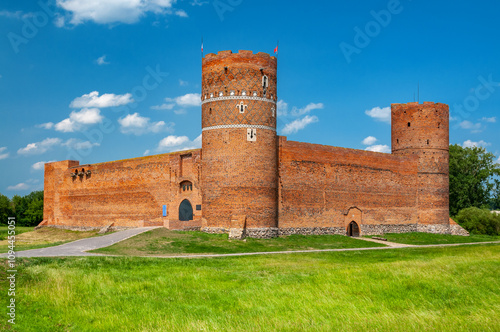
point(240, 159)
point(423, 129)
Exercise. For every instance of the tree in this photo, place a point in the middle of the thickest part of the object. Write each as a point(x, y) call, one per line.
point(28, 209)
point(5, 209)
point(479, 221)
point(472, 172)
point(34, 213)
point(495, 199)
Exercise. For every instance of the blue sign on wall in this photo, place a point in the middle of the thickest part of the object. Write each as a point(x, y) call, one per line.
point(164, 210)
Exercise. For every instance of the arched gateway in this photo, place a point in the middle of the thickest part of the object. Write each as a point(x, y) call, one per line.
point(185, 211)
point(353, 229)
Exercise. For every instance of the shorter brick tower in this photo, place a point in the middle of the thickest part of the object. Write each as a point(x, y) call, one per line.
point(423, 130)
point(240, 158)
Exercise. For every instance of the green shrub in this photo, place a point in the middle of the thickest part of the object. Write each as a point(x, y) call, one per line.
point(479, 221)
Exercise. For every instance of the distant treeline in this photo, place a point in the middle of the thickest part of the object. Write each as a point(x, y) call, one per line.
point(28, 210)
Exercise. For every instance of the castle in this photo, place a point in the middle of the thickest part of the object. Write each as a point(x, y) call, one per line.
point(247, 180)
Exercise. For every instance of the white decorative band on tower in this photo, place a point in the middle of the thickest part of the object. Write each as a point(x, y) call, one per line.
point(239, 126)
point(209, 100)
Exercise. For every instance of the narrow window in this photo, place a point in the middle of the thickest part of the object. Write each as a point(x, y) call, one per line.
point(397, 141)
point(439, 125)
point(427, 142)
point(265, 82)
point(408, 124)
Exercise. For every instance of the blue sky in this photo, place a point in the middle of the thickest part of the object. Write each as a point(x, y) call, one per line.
point(102, 80)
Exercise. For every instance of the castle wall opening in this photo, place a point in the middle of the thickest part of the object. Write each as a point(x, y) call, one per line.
point(353, 229)
point(185, 211)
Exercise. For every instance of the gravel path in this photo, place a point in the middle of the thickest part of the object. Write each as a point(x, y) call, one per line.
point(78, 247)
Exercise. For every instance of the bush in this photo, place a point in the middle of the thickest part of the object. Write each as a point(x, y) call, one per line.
point(479, 221)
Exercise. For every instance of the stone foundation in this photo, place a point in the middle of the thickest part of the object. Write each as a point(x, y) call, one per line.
point(312, 231)
point(382, 229)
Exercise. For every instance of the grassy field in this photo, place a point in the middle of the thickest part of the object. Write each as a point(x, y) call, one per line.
point(412, 289)
point(162, 241)
point(427, 238)
point(27, 238)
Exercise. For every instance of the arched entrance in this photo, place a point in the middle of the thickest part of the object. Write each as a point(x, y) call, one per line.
point(185, 211)
point(353, 229)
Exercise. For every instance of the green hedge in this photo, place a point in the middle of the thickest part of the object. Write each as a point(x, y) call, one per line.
point(479, 221)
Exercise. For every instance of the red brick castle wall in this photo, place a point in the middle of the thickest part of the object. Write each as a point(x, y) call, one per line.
point(245, 176)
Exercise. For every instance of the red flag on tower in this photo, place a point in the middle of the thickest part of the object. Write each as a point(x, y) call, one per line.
point(276, 49)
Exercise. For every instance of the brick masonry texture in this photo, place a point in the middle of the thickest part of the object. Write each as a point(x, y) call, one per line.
point(266, 186)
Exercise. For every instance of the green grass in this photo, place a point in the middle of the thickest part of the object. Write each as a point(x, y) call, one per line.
point(411, 289)
point(162, 241)
point(19, 230)
point(27, 238)
point(428, 238)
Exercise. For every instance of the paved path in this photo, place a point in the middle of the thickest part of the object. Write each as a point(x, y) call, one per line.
point(78, 247)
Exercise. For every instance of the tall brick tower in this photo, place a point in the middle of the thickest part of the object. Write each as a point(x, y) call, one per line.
point(240, 159)
point(423, 129)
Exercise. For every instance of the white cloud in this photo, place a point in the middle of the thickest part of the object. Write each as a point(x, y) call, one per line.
point(380, 114)
point(490, 120)
point(138, 125)
point(40, 147)
point(498, 160)
point(111, 11)
point(299, 124)
point(59, 21)
point(379, 148)
point(3, 155)
point(198, 3)
point(77, 144)
point(163, 107)
point(106, 100)
point(188, 100)
point(102, 60)
point(178, 143)
point(470, 144)
point(78, 120)
point(183, 83)
point(49, 143)
point(146, 153)
point(16, 15)
point(31, 184)
point(181, 13)
point(310, 107)
point(370, 140)
point(19, 186)
point(282, 108)
point(473, 127)
point(48, 125)
point(40, 166)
